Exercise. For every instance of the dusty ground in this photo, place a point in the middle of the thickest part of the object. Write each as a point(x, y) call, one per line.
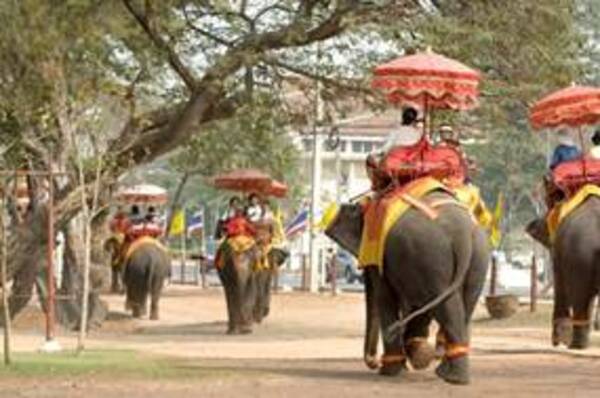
point(309, 346)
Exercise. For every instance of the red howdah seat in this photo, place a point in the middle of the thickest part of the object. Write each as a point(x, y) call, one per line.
point(571, 176)
point(422, 159)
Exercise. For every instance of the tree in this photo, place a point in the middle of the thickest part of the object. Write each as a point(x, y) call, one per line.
point(161, 71)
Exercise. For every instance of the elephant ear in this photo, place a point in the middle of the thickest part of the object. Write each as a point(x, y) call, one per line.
point(346, 228)
point(538, 230)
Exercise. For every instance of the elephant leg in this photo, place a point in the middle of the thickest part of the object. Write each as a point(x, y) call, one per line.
point(561, 313)
point(247, 295)
point(420, 353)
point(454, 367)
point(582, 313)
point(115, 286)
point(597, 315)
point(373, 282)
point(226, 283)
point(393, 360)
point(267, 294)
point(257, 313)
point(156, 286)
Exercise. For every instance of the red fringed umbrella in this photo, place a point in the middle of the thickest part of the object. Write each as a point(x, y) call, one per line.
point(246, 180)
point(573, 106)
point(277, 189)
point(143, 193)
point(428, 80)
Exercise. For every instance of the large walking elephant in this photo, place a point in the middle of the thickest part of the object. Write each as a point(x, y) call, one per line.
point(145, 270)
point(239, 283)
point(575, 254)
point(433, 269)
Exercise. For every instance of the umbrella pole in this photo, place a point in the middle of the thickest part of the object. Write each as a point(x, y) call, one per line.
point(583, 151)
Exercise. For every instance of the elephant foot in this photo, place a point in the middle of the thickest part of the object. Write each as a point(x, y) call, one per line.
point(392, 365)
point(154, 315)
point(136, 312)
point(562, 332)
point(247, 329)
point(420, 353)
point(454, 371)
point(581, 338)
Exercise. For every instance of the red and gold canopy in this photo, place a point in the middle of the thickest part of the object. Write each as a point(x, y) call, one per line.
point(572, 106)
point(428, 80)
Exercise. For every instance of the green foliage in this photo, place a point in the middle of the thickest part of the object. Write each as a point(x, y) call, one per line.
point(524, 50)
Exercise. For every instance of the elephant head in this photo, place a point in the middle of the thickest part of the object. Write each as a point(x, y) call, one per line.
point(346, 227)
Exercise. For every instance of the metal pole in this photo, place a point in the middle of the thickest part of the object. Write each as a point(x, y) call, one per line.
point(494, 275)
point(333, 263)
point(338, 173)
point(203, 272)
point(5, 304)
point(183, 257)
point(303, 286)
point(534, 285)
point(50, 344)
point(316, 194)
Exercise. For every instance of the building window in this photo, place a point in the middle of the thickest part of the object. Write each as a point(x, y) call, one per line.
point(357, 146)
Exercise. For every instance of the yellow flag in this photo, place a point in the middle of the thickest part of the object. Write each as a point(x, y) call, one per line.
point(279, 234)
point(496, 232)
point(177, 223)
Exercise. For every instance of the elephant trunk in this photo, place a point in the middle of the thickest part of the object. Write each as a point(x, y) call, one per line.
point(372, 291)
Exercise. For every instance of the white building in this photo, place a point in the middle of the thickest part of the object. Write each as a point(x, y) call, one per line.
point(358, 137)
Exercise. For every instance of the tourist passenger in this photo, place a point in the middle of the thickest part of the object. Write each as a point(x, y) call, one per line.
point(255, 211)
point(407, 134)
point(595, 149)
point(566, 150)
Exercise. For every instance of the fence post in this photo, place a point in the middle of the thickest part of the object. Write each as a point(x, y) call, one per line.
point(333, 276)
point(534, 285)
point(303, 286)
point(203, 272)
point(494, 275)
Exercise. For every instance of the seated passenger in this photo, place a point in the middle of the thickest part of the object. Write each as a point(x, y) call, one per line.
point(595, 149)
point(254, 211)
point(566, 150)
point(119, 222)
point(408, 133)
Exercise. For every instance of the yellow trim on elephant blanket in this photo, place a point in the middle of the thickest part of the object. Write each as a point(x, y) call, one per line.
point(562, 210)
point(262, 263)
point(143, 241)
point(470, 196)
point(382, 214)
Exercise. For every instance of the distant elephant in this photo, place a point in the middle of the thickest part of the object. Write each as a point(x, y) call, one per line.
point(114, 246)
point(263, 278)
point(239, 283)
point(575, 255)
point(144, 273)
point(434, 266)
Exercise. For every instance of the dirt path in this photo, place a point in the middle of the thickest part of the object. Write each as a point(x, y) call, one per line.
point(309, 346)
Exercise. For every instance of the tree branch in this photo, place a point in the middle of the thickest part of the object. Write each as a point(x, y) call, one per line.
point(146, 21)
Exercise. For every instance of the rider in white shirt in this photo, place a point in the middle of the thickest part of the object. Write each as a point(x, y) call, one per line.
point(407, 134)
point(595, 149)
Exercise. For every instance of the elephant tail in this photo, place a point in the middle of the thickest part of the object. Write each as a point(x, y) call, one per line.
point(462, 258)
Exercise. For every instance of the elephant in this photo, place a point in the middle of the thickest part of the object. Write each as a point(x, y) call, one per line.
point(114, 247)
point(575, 253)
point(434, 268)
point(144, 273)
point(239, 283)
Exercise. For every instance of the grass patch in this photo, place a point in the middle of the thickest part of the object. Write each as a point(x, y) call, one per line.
point(108, 363)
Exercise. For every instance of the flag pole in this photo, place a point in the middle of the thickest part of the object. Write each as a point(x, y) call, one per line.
point(183, 251)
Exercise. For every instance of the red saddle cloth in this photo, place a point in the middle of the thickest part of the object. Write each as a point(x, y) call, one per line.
point(144, 229)
point(422, 159)
point(571, 176)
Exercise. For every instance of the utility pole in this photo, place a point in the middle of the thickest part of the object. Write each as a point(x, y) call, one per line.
point(316, 194)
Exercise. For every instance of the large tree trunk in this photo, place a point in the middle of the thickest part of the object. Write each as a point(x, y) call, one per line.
point(27, 266)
